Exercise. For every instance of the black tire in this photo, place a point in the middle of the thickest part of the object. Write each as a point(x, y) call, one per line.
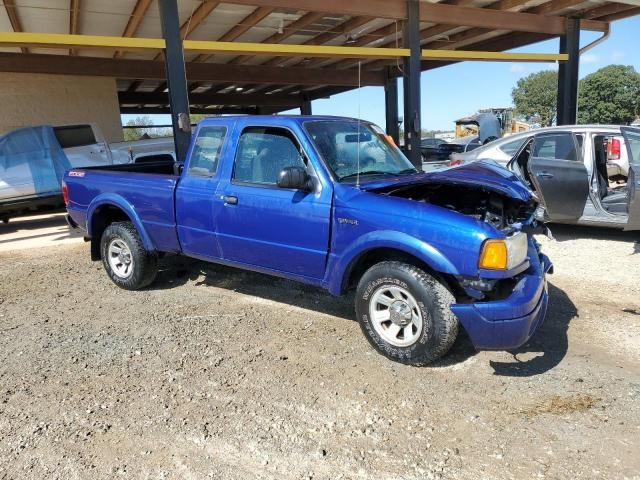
point(144, 264)
point(439, 325)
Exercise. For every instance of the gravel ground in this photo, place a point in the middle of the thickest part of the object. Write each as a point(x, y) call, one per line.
point(219, 373)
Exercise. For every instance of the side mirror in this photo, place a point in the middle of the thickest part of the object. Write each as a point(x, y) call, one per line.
point(294, 177)
point(178, 168)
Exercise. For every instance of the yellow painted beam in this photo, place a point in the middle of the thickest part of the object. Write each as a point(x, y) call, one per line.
point(286, 50)
point(493, 56)
point(57, 40)
point(63, 40)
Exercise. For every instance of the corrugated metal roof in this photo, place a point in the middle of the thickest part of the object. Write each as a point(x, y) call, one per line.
point(98, 17)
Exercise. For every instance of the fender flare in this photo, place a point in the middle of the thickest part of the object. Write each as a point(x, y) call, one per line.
point(386, 239)
point(117, 201)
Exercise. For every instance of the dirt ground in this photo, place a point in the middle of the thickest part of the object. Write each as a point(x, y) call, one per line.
point(218, 373)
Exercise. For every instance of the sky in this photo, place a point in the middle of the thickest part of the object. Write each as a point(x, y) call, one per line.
point(461, 89)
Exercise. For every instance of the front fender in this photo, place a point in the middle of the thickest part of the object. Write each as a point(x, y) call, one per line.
point(115, 200)
point(339, 265)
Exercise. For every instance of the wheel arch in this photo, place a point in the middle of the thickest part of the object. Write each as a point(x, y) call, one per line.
point(394, 246)
point(106, 210)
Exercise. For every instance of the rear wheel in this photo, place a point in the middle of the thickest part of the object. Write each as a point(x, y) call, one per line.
point(404, 313)
point(124, 258)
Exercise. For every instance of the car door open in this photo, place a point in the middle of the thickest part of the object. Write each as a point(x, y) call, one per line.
point(557, 171)
point(632, 140)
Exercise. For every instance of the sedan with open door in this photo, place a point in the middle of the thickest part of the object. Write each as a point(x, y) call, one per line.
point(573, 186)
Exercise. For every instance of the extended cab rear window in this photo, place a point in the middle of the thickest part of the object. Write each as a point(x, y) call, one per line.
point(206, 151)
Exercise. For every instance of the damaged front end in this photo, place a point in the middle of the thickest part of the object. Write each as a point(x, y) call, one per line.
point(493, 195)
point(503, 299)
point(498, 209)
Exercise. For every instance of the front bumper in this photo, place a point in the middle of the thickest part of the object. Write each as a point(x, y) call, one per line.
point(509, 323)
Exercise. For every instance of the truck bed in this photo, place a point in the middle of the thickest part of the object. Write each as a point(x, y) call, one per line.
point(149, 165)
point(147, 188)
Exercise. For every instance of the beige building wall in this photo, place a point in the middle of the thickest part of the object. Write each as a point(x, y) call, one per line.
point(39, 99)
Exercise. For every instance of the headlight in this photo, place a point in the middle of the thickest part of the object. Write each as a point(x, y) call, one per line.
point(504, 254)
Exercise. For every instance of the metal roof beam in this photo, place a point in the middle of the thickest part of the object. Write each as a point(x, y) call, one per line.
point(137, 15)
point(241, 28)
point(610, 10)
point(437, 13)
point(474, 35)
point(202, 72)
point(74, 20)
point(155, 110)
point(14, 19)
point(143, 98)
point(288, 31)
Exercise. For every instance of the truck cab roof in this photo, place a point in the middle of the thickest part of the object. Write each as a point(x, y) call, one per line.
point(276, 119)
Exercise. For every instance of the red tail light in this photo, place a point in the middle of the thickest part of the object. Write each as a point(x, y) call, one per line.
point(453, 163)
point(613, 149)
point(65, 193)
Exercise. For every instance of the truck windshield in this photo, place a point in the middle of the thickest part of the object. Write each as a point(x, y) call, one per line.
point(355, 150)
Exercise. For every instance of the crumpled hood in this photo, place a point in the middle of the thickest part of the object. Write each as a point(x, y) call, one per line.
point(483, 173)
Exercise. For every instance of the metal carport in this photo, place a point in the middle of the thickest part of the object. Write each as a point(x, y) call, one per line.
point(266, 56)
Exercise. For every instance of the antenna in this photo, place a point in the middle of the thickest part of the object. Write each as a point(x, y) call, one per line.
point(358, 157)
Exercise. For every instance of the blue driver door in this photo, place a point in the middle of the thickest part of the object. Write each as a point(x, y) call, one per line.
point(195, 194)
point(268, 227)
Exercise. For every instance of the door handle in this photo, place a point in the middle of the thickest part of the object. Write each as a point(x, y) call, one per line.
point(544, 175)
point(230, 199)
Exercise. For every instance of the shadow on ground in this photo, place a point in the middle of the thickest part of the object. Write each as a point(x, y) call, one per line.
point(51, 228)
point(548, 346)
point(35, 222)
point(550, 342)
point(176, 271)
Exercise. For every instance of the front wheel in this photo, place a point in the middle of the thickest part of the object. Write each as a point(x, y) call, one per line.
point(125, 259)
point(405, 313)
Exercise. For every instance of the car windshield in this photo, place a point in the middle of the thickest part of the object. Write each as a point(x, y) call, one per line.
point(355, 150)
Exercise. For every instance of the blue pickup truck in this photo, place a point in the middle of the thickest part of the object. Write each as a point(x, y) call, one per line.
point(331, 202)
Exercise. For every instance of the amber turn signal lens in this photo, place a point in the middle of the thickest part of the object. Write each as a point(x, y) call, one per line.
point(494, 255)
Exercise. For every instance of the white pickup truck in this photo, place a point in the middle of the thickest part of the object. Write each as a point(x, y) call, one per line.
point(34, 159)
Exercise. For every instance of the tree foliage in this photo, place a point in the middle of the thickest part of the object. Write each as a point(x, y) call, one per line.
point(141, 129)
point(535, 97)
point(610, 95)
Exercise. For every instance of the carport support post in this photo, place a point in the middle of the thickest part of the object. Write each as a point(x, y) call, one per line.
point(176, 77)
point(412, 70)
point(567, 109)
point(305, 108)
point(391, 106)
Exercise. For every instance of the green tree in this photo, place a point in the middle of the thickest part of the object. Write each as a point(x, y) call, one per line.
point(535, 97)
point(131, 134)
point(610, 95)
point(197, 117)
point(143, 128)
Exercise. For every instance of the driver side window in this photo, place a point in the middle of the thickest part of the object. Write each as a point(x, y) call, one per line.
point(263, 152)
